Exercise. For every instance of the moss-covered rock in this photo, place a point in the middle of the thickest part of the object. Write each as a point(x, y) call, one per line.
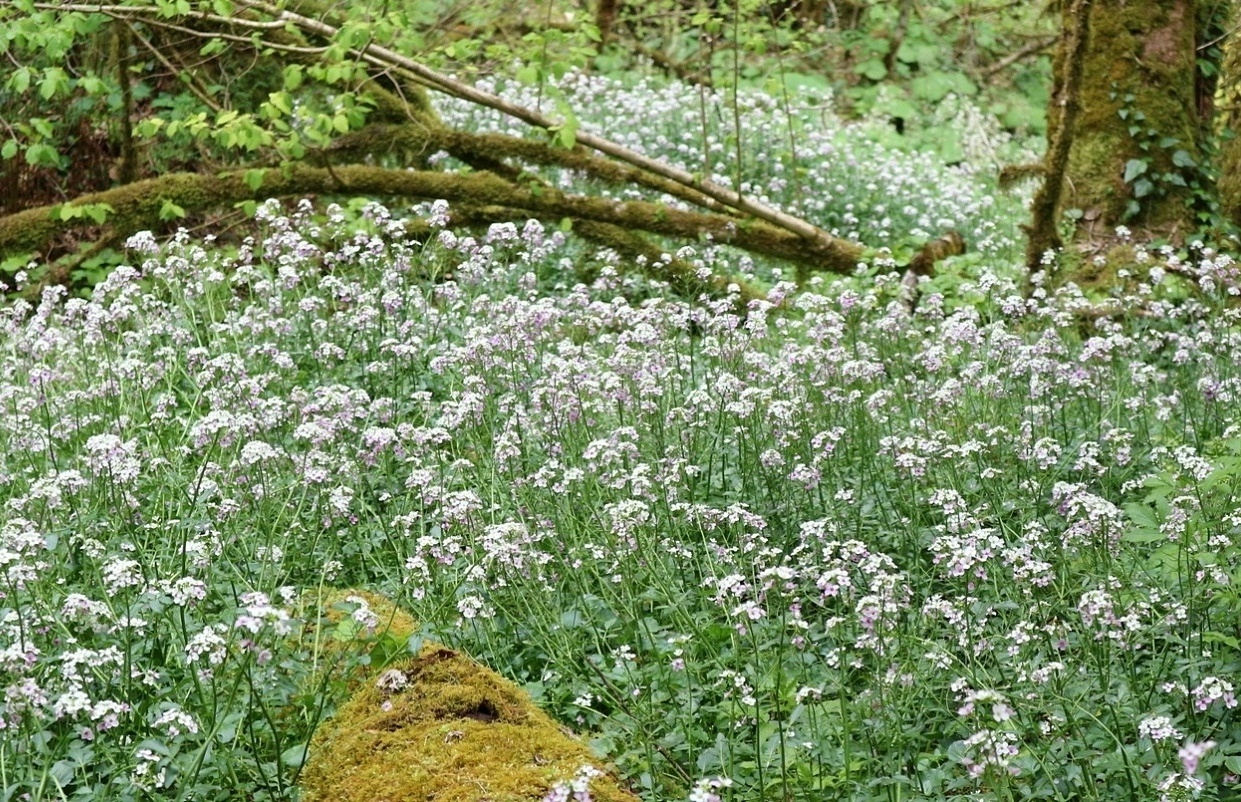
point(437, 726)
point(442, 727)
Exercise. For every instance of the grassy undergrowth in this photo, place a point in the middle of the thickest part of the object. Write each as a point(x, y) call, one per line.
point(831, 549)
point(828, 550)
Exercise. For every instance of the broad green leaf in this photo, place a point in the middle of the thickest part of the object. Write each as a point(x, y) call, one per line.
point(170, 211)
point(19, 81)
point(1133, 169)
point(41, 154)
point(254, 179)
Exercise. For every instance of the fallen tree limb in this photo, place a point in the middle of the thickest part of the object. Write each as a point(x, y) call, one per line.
point(419, 140)
point(385, 59)
point(139, 206)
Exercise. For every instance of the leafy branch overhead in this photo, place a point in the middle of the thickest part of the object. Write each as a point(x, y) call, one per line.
point(327, 107)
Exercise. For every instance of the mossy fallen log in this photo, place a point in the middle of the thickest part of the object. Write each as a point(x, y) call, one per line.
point(438, 726)
point(144, 204)
point(413, 142)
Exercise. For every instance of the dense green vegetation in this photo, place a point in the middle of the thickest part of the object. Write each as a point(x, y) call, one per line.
point(685, 365)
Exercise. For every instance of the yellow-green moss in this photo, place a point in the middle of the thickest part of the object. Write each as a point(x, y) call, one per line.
point(1228, 125)
point(442, 727)
point(1143, 50)
point(337, 640)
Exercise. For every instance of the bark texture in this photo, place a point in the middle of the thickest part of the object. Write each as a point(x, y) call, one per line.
point(1137, 99)
point(1228, 124)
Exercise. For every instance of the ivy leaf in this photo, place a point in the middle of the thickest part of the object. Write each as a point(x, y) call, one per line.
point(1133, 169)
point(1182, 158)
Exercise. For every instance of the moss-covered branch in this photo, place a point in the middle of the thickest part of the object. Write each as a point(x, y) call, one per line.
point(138, 206)
point(416, 141)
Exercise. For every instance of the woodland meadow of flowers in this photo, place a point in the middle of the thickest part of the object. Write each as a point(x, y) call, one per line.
point(823, 548)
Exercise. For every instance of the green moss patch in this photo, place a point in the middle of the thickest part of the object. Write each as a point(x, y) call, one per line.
point(442, 727)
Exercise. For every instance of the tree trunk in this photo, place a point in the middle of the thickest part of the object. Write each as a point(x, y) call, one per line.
point(1135, 143)
point(1228, 125)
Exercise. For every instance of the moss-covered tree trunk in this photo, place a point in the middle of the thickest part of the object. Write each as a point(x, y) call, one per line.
point(1228, 124)
point(1135, 142)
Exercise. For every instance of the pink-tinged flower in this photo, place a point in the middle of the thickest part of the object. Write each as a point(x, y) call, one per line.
point(576, 789)
point(989, 748)
point(705, 789)
point(1193, 752)
point(1158, 729)
point(1212, 690)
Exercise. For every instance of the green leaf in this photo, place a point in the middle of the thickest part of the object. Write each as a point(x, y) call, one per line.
point(1182, 158)
point(872, 68)
point(1143, 187)
point(54, 81)
point(20, 80)
point(345, 631)
point(42, 154)
point(254, 179)
point(294, 756)
point(98, 212)
point(170, 211)
point(8, 150)
point(1133, 169)
point(281, 101)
